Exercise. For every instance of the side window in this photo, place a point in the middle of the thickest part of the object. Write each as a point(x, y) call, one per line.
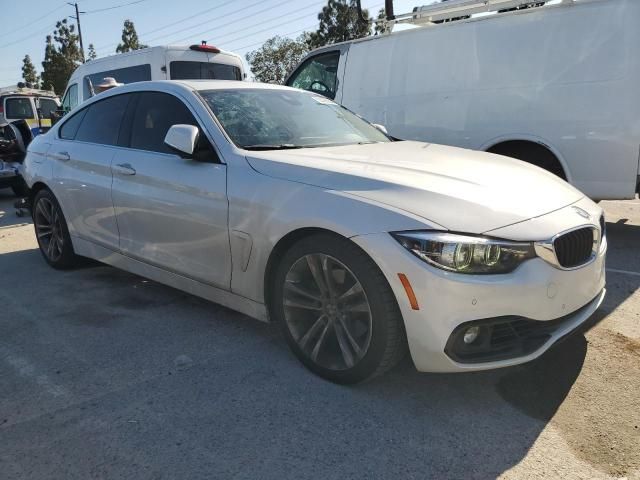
point(137, 73)
point(70, 127)
point(18, 108)
point(318, 74)
point(101, 123)
point(47, 106)
point(155, 113)
point(70, 99)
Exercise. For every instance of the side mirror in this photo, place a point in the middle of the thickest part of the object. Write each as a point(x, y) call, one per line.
point(382, 128)
point(182, 138)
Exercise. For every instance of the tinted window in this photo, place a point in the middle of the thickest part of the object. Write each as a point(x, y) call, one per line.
point(101, 123)
point(318, 74)
point(70, 99)
point(69, 129)
point(137, 73)
point(204, 70)
point(18, 108)
point(155, 113)
point(47, 107)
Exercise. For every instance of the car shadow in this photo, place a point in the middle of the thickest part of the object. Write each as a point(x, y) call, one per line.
point(241, 406)
point(257, 399)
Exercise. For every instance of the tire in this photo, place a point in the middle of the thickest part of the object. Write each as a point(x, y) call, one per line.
point(52, 232)
point(20, 188)
point(330, 337)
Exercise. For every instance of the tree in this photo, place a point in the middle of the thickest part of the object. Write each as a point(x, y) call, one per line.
point(92, 55)
point(129, 38)
point(339, 22)
point(29, 72)
point(380, 27)
point(272, 62)
point(61, 57)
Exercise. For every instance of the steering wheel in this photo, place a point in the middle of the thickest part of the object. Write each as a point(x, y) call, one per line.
point(323, 85)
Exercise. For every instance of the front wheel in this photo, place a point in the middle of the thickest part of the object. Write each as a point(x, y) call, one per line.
point(338, 313)
point(52, 232)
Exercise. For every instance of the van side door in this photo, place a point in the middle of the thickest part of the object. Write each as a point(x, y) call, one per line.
point(322, 73)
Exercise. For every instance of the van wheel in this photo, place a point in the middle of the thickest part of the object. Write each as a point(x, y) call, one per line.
point(52, 232)
point(337, 311)
point(530, 152)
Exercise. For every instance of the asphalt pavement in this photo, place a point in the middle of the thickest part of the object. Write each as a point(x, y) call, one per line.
point(105, 375)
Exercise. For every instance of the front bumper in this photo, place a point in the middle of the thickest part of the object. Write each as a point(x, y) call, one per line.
point(535, 291)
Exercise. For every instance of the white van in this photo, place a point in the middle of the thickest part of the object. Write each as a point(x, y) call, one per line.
point(154, 63)
point(555, 85)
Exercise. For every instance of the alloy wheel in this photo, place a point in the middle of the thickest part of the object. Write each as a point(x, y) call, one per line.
point(327, 311)
point(48, 223)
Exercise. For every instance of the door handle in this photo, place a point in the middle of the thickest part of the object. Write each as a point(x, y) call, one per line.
point(124, 169)
point(62, 156)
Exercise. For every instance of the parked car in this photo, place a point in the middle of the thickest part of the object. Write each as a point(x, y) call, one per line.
point(34, 106)
point(14, 140)
point(154, 63)
point(556, 85)
point(284, 205)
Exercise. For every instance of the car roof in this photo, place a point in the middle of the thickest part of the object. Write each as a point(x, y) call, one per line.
point(184, 87)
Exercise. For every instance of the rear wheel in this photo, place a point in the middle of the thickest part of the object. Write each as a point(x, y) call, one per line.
point(52, 232)
point(338, 313)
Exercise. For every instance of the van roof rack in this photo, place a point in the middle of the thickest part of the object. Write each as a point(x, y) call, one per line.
point(455, 9)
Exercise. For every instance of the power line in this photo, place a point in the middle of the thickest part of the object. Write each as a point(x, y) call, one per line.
point(188, 18)
point(217, 40)
point(215, 18)
point(116, 6)
point(46, 29)
point(271, 7)
point(35, 21)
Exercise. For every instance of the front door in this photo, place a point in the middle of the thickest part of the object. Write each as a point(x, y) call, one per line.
point(171, 211)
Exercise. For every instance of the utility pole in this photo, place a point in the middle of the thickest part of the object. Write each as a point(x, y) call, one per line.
point(77, 19)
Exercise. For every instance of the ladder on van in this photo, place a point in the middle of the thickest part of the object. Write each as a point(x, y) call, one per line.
point(456, 9)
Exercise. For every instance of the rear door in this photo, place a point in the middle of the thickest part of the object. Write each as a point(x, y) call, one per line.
point(82, 155)
point(171, 211)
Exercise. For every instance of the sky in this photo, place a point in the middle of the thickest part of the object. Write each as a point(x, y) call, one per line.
point(235, 25)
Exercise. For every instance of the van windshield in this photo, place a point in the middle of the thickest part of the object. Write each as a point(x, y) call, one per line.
point(275, 119)
point(181, 70)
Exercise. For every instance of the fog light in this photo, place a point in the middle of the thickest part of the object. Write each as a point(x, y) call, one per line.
point(471, 334)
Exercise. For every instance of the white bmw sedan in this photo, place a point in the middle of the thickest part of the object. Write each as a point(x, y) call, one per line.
point(285, 206)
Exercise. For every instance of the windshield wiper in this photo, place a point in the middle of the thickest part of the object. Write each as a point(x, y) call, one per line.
point(283, 146)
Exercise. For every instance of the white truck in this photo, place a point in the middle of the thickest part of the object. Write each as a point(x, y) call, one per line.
point(556, 85)
point(154, 63)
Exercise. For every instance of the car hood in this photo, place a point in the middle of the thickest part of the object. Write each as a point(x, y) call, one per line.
point(461, 190)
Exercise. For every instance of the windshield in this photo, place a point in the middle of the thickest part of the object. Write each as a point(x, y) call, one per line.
point(272, 119)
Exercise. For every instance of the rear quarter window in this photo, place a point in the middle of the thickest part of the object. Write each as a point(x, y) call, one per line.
point(70, 127)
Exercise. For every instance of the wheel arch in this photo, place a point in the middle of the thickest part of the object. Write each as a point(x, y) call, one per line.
point(35, 188)
point(279, 249)
point(534, 142)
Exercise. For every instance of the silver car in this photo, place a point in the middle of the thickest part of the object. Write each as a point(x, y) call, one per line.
point(283, 205)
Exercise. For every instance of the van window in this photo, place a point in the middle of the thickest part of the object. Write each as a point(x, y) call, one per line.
point(155, 113)
point(318, 74)
point(18, 108)
point(70, 127)
point(47, 107)
point(101, 123)
point(137, 73)
point(70, 99)
point(203, 70)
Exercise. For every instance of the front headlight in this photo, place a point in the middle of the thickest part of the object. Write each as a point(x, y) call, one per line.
point(466, 254)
